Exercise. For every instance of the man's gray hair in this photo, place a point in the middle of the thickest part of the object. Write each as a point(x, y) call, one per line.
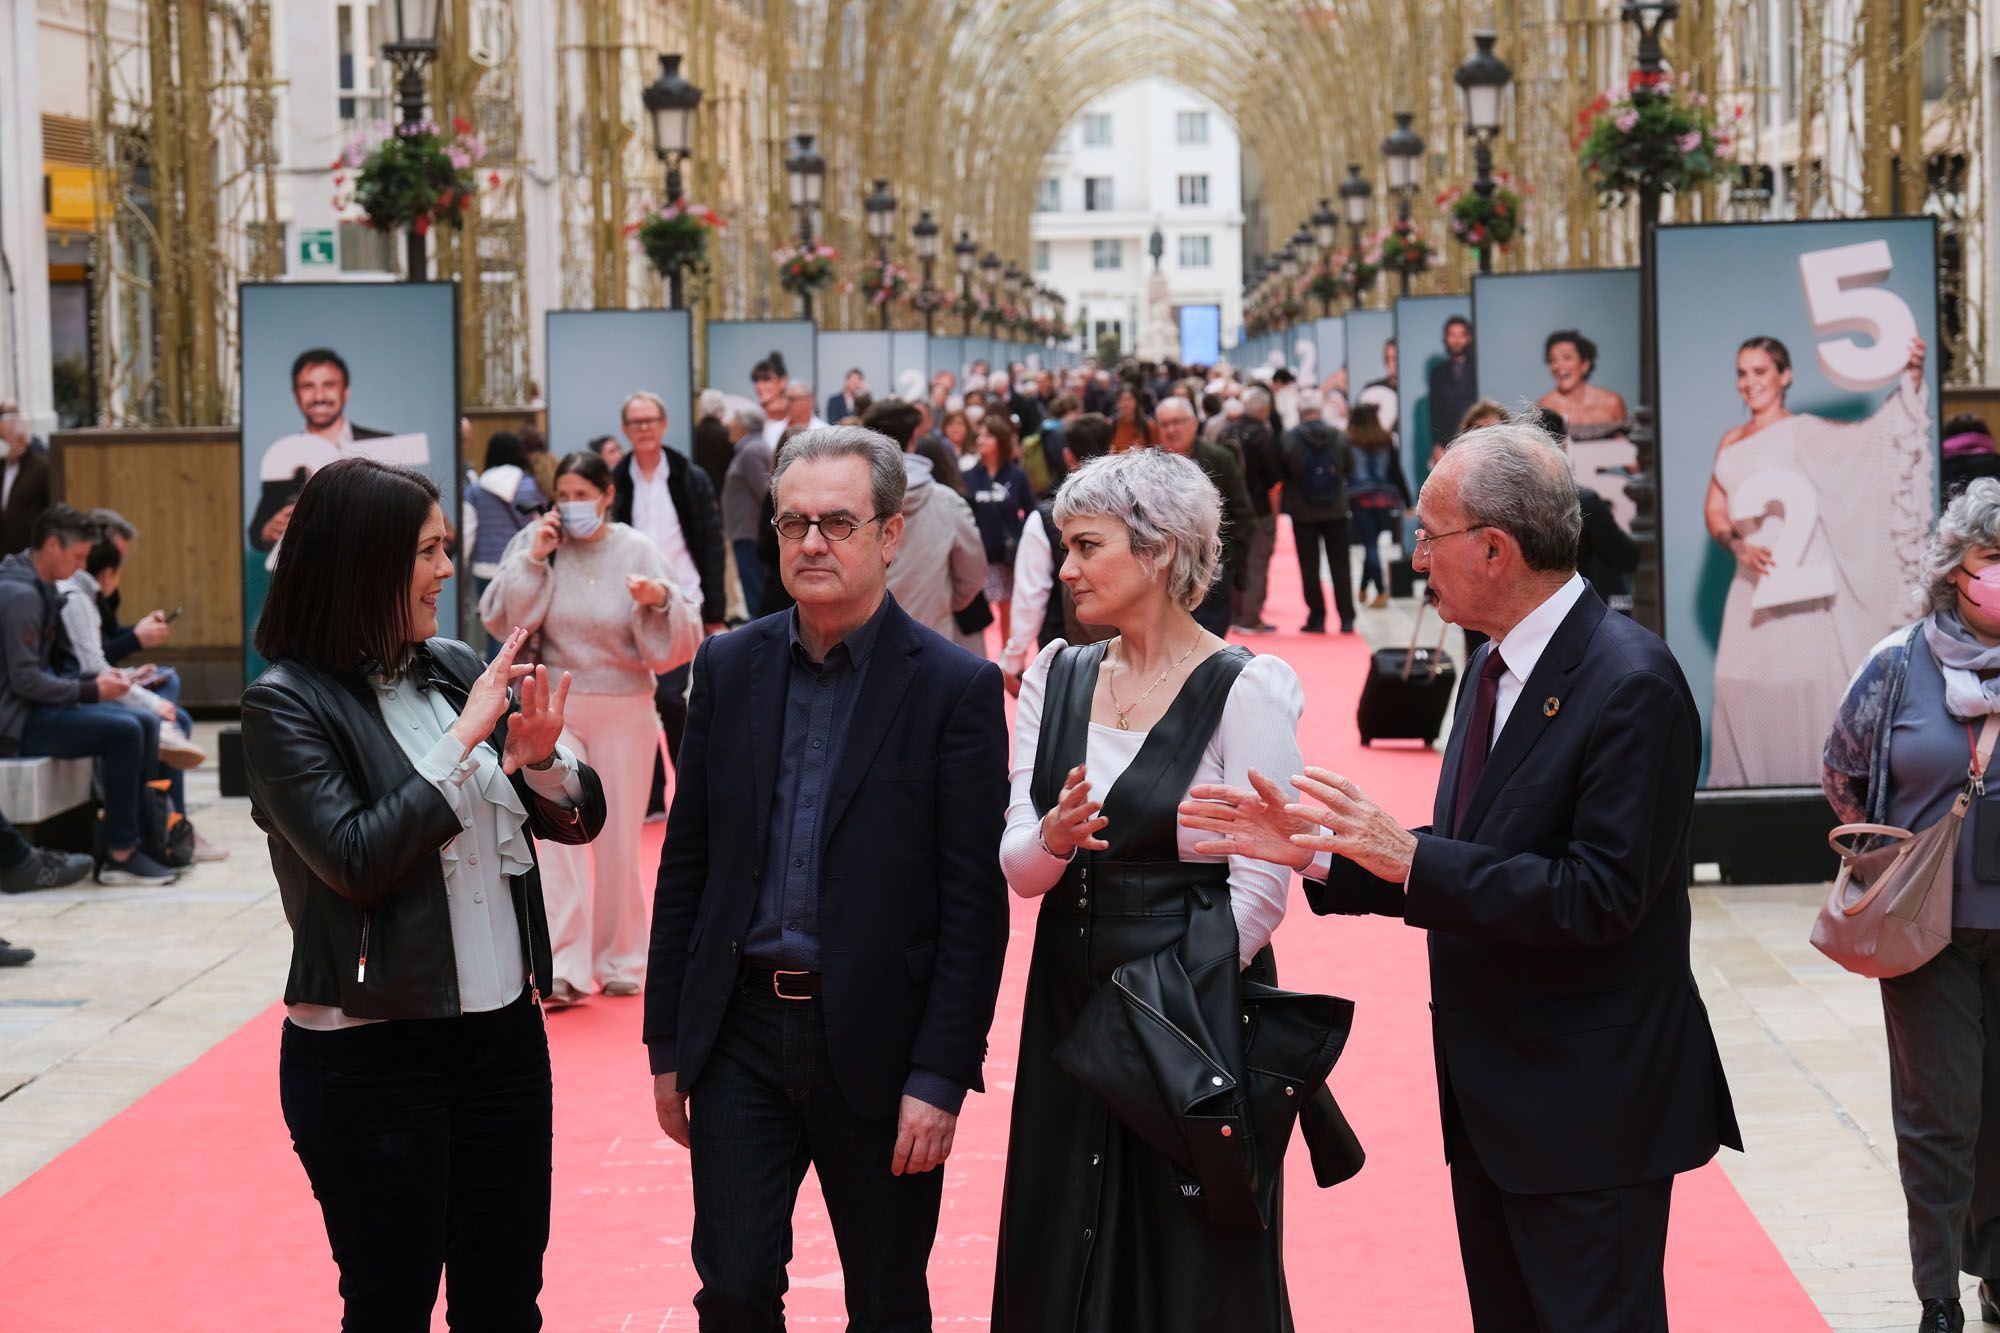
point(643, 396)
point(1311, 402)
point(883, 455)
point(710, 403)
point(1258, 393)
point(1514, 476)
point(798, 389)
point(1185, 409)
point(1970, 521)
point(114, 524)
point(1167, 504)
point(744, 413)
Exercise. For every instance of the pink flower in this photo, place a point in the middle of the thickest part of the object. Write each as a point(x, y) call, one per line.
point(1626, 120)
point(1725, 150)
point(1691, 141)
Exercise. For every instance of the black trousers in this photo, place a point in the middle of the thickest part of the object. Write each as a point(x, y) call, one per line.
point(427, 1142)
point(764, 1109)
point(1331, 537)
point(1590, 1262)
point(670, 699)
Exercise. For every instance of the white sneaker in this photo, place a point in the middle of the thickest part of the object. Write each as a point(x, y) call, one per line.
point(177, 751)
point(204, 850)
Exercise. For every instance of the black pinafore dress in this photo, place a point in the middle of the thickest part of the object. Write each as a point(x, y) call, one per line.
point(1097, 1234)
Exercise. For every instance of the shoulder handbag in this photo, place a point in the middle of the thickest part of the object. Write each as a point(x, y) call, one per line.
point(1889, 911)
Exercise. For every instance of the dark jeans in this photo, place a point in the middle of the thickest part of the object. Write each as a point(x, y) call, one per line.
point(427, 1142)
point(763, 1110)
point(1370, 524)
point(1331, 537)
point(124, 741)
point(1944, 1098)
point(670, 699)
point(749, 574)
point(168, 687)
point(1214, 612)
point(14, 848)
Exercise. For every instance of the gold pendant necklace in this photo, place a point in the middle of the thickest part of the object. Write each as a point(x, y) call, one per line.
point(1111, 682)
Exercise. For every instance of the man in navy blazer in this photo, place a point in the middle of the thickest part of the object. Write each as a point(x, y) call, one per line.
point(1577, 1074)
point(831, 918)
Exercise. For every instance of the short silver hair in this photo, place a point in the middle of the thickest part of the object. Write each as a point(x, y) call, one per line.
point(742, 412)
point(1971, 520)
point(114, 524)
point(1513, 476)
point(1311, 402)
point(883, 455)
point(710, 403)
point(798, 389)
point(643, 396)
point(1167, 504)
point(1186, 408)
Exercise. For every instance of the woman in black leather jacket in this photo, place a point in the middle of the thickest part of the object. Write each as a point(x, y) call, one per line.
point(400, 785)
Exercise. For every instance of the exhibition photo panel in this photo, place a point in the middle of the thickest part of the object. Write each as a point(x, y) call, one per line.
point(1437, 375)
point(600, 358)
point(1571, 345)
point(341, 370)
point(736, 345)
point(1798, 386)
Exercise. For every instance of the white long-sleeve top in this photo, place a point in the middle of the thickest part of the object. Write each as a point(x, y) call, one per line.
point(1034, 584)
point(1259, 729)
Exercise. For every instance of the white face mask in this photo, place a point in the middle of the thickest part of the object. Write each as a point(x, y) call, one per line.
point(580, 518)
point(974, 413)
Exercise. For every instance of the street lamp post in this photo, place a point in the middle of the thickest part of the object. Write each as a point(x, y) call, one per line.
point(966, 255)
point(670, 101)
point(926, 234)
point(806, 170)
point(880, 208)
point(1403, 152)
point(411, 53)
point(1355, 192)
point(1325, 230)
point(1644, 487)
point(989, 269)
point(1482, 83)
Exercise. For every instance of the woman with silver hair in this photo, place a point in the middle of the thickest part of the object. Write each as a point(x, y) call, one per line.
point(1108, 738)
point(1898, 756)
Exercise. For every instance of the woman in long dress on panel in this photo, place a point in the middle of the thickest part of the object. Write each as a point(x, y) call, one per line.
point(1804, 609)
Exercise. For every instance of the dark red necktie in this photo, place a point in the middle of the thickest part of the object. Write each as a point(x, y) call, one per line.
point(1478, 737)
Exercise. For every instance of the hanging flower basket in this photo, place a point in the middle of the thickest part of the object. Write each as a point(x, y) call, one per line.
point(1359, 268)
point(1478, 220)
point(1326, 285)
point(806, 267)
point(1669, 141)
point(1404, 249)
point(675, 236)
point(924, 300)
point(410, 175)
point(968, 307)
point(883, 282)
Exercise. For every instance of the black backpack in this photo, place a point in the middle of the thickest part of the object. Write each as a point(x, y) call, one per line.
point(1322, 483)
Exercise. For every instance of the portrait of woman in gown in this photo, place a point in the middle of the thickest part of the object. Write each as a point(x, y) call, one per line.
point(1600, 447)
point(1825, 521)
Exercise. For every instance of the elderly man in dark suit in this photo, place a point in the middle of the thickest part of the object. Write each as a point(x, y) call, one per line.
point(1577, 1074)
point(24, 480)
point(830, 918)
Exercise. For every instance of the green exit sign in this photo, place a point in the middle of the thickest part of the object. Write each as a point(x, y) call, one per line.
point(316, 248)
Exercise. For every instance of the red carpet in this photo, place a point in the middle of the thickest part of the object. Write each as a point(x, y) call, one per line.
point(189, 1213)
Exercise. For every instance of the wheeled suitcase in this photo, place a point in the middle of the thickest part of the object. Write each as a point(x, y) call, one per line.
point(1407, 691)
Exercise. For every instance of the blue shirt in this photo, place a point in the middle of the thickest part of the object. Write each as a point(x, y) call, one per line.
point(1929, 752)
point(784, 927)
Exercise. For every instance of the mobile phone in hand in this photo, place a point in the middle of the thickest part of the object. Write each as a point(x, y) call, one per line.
point(175, 614)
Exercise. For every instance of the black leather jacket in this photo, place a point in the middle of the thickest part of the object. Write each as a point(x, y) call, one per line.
point(355, 834)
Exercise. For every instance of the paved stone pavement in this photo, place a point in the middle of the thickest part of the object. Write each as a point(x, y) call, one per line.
point(130, 985)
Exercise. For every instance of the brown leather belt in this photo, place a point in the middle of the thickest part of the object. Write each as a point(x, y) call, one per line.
point(785, 983)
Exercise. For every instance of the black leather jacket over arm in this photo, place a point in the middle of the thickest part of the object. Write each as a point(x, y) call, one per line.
point(355, 834)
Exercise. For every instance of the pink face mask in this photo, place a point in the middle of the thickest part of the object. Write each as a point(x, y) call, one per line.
point(1983, 589)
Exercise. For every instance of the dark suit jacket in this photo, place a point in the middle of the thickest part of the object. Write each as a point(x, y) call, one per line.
point(275, 495)
point(913, 907)
point(701, 525)
point(25, 503)
point(1569, 1037)
point(839, 406)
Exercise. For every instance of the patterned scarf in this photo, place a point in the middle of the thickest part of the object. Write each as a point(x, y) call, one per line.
point(1962, 658)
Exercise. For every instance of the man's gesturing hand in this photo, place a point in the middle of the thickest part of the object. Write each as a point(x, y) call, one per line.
point(923, 1137)
point(1354, 826)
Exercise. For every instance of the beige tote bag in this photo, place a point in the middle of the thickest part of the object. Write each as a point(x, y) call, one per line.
point(1889, 911)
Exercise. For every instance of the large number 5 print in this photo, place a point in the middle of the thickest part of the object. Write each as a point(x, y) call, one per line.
point(1844, 295)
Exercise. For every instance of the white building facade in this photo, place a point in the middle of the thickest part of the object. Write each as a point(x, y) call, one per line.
point(1151, 154)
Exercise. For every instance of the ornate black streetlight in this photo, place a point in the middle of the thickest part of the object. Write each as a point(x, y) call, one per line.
point(1355, 193)
point(966, 255)
point(671, 101)
point(411, 52)
point(806, 170)
point(880, 208)
point(1325, 231)
point(926, 234)
point(1403, 154)
point(1482, 83)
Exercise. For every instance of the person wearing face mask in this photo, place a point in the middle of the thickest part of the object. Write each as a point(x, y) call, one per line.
point(1897, 755)
point(1782, 665)
point(599, 595)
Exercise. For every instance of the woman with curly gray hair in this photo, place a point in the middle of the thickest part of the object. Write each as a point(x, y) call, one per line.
point(1898, 756)
point(1108, 738)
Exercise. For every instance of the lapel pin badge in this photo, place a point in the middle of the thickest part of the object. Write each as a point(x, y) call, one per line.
point(1551, 706)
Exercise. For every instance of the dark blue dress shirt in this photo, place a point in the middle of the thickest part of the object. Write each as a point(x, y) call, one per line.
point(819, 701)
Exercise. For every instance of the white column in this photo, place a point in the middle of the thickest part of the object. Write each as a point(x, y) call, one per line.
point(536, 33)
point(25, 364)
